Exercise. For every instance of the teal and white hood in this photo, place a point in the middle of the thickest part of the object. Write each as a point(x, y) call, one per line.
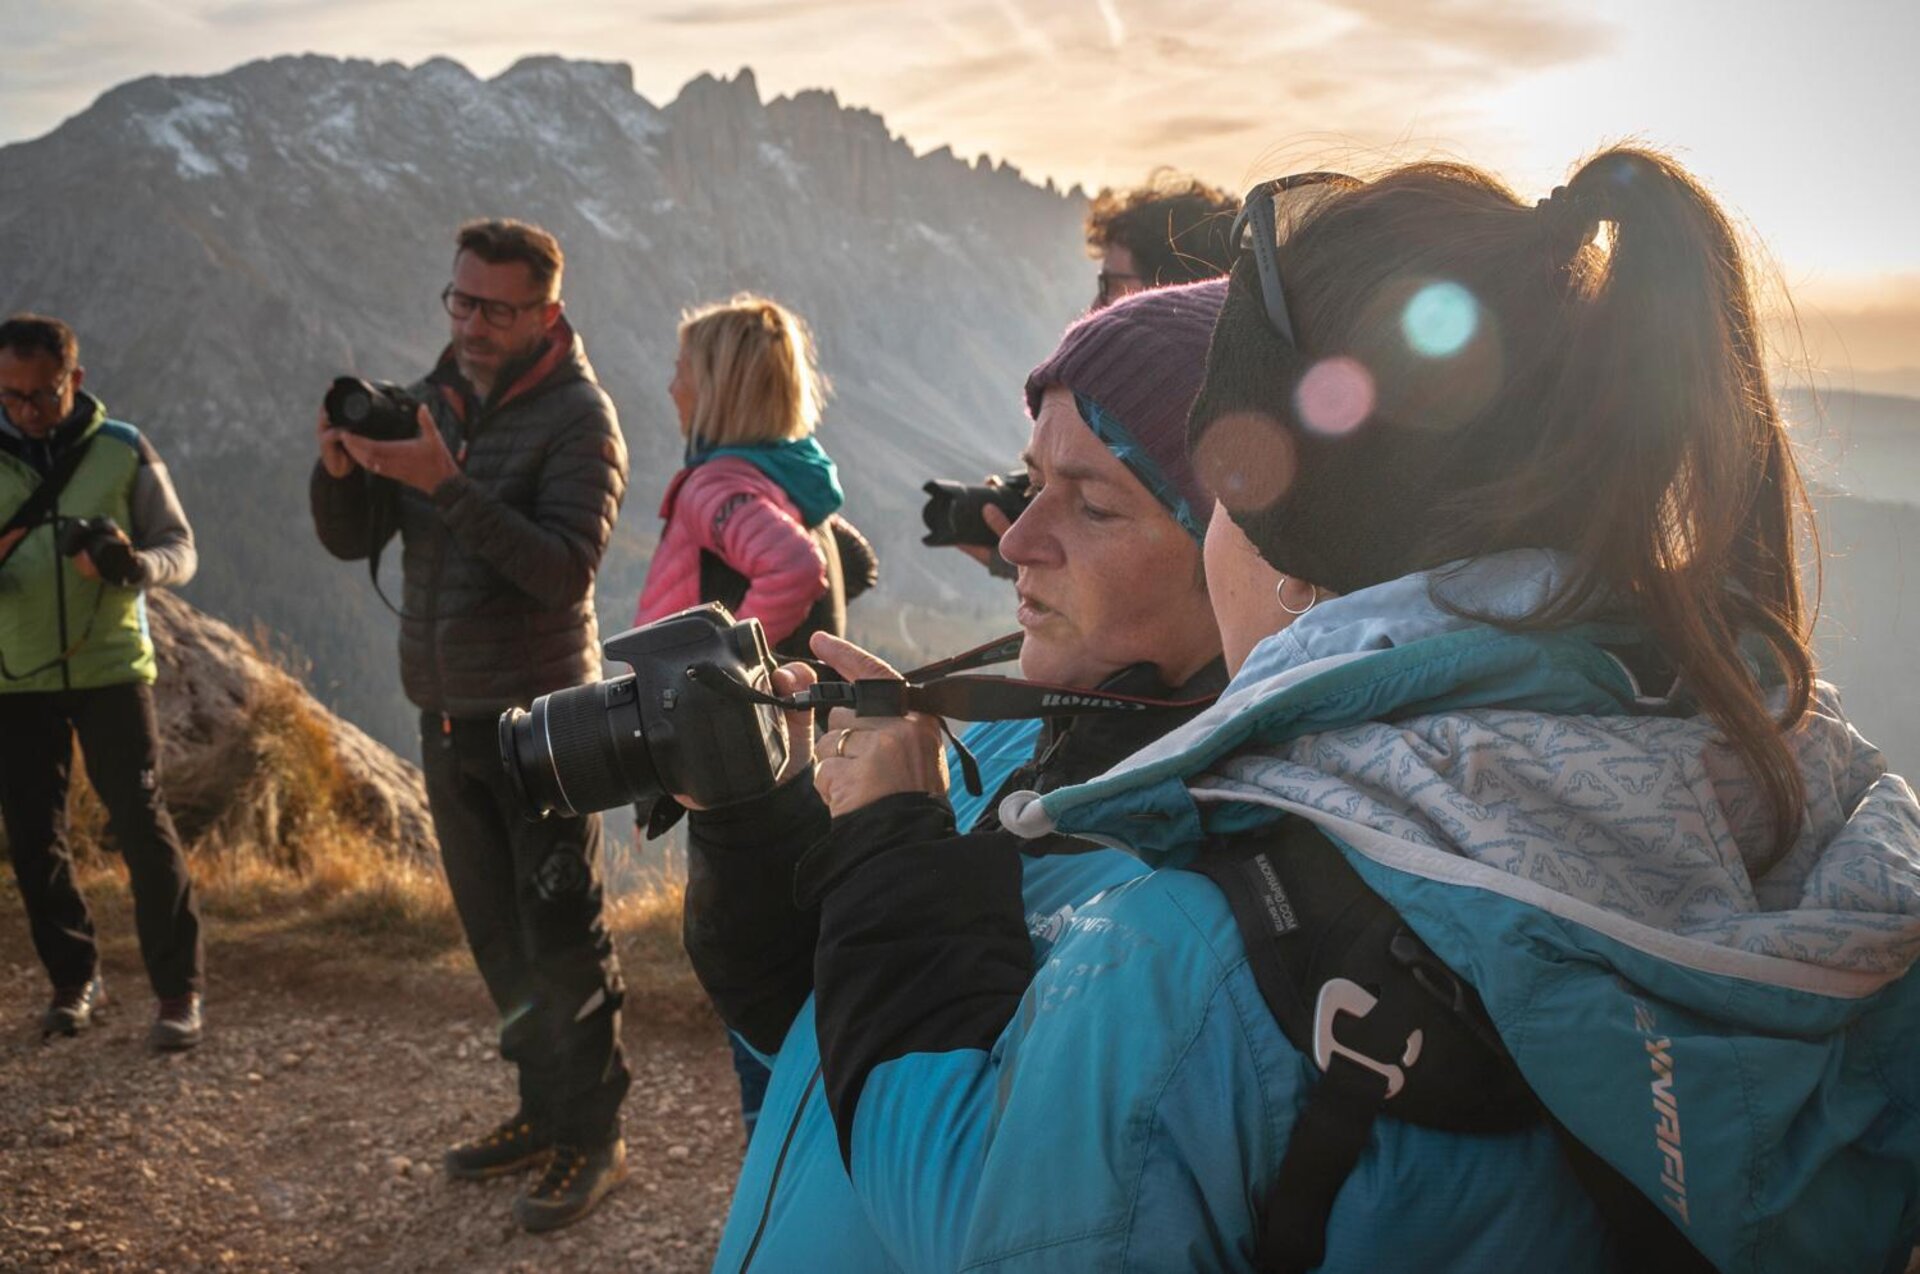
point(1737, 1032)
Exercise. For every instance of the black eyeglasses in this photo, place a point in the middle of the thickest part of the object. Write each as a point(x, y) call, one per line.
point(41, 399)
point(461, 305)
point(1109, 291)
point(1274, 209)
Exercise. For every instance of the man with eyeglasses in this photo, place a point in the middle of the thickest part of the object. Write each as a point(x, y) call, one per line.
point(504, 502)
point(76, 659)
point(1173, 229)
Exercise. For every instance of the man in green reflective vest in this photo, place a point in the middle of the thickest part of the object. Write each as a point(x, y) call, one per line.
point(88, 522)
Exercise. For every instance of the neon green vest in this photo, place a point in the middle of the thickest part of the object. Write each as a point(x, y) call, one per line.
point(90, 634)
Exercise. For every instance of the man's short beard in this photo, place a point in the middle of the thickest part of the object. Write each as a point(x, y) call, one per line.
point(502, 356)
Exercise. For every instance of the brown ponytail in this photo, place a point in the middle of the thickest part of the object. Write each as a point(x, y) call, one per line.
point(1613, 404)
point(1667, 411)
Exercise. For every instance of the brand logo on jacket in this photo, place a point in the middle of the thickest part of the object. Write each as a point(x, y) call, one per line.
point(1272, 894)
point(1666, 1114)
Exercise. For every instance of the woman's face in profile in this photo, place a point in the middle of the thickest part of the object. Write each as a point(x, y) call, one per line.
point(681, 389)
point(1107, 577)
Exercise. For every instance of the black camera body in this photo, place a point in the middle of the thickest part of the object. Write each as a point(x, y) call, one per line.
point(666, 727)
point(382, 412)
point(72, 536)
point(954, 510)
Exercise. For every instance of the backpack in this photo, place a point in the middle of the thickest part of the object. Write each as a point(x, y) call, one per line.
point(1394, 1032)
point(852, 568)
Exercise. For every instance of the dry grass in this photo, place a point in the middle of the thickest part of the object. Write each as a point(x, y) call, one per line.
point(351, 898)
point(276, 848)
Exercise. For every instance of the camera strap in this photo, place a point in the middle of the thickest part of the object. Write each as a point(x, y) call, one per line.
point(41, 500)
point(932, 690)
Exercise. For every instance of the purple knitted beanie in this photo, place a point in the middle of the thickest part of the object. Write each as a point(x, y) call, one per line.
point(1138, 365)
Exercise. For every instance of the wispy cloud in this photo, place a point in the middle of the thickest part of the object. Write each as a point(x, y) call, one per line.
point(1517, 35)
point(759, 11)
point(1031, 36)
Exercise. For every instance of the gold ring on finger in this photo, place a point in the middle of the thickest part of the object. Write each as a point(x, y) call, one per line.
point(840, 748)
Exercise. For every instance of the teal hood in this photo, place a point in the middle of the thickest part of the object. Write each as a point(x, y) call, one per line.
point(802, 467)
point(1735, 1030)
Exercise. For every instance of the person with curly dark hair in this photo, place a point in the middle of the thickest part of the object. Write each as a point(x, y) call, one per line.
point(1173, 229)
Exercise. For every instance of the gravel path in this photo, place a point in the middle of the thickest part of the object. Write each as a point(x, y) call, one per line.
point(305, 1134)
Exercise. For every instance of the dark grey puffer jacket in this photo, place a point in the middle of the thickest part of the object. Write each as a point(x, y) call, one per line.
point(499, 562)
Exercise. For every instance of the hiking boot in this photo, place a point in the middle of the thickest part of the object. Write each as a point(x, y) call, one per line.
point(177, 1028)
point(73, 1007)
point(518, 1143)
point(576, 1179)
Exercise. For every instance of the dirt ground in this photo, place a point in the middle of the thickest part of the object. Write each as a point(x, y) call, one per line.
point(306, 1133)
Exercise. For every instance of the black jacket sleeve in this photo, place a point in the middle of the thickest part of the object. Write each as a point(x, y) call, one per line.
point(346, 513)
point(750, 943)
point(859, 560)
point(923, 941)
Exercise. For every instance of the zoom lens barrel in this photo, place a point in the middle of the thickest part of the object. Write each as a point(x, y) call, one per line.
point(579, 750)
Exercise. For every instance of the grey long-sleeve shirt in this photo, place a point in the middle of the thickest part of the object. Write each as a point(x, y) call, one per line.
point(162, 539)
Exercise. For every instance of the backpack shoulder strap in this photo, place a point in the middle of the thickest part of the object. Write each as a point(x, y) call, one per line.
point(41, 499)
point(1390, 1027)
point(1393, 1031)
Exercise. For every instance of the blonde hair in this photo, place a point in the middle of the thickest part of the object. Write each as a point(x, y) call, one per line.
point(754, 374)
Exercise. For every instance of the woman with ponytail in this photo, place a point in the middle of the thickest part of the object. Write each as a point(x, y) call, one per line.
point(1526, 902)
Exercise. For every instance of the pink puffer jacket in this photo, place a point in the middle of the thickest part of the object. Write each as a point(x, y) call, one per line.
point(731, 509)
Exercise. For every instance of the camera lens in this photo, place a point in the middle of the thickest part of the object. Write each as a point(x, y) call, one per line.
point(579, 750)
point(355, 406)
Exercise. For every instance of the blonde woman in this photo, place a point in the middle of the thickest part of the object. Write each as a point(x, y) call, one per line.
point(750, 519)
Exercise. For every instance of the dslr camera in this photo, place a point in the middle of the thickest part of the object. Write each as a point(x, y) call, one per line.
point(681, 722)
point(953, 512)
point(100, 539)
point(385, 413)
point(73, 536)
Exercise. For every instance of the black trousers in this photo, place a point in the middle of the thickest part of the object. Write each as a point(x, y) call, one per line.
point(529, 895)
point(120, 741)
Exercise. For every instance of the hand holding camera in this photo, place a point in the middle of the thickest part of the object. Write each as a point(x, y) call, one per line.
point(333, 453)
point(100, 550)
point(384, 431)
point(421, 462)
point(955, 513)
point(864, 759)
point(972, 518)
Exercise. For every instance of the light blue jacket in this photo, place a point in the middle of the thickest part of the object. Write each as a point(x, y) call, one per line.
point(1741, 1039)
point(793, 1208)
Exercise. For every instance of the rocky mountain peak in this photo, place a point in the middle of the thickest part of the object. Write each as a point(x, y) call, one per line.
point(230, 243)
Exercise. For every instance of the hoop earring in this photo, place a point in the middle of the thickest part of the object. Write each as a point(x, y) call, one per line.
point(1280, 595)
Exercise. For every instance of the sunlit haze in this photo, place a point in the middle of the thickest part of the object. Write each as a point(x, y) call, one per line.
point(1794, 113)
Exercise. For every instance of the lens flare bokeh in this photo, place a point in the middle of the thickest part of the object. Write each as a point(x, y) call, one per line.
point(1335, 396)
point(1246, 460)
point(1440, 319)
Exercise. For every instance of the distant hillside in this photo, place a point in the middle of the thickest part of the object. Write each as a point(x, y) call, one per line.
point(1867, 445)
point(1863, 459)
point(226, 245)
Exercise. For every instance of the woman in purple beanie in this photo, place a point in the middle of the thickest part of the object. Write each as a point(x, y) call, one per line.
point(1111, 597)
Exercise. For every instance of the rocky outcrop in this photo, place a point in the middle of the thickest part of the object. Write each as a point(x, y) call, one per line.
point(253, 763)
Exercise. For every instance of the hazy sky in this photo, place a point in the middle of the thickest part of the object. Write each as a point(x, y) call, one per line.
point(1800, 114)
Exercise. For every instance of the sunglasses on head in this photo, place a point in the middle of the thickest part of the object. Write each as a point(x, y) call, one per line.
point(1273, 210)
